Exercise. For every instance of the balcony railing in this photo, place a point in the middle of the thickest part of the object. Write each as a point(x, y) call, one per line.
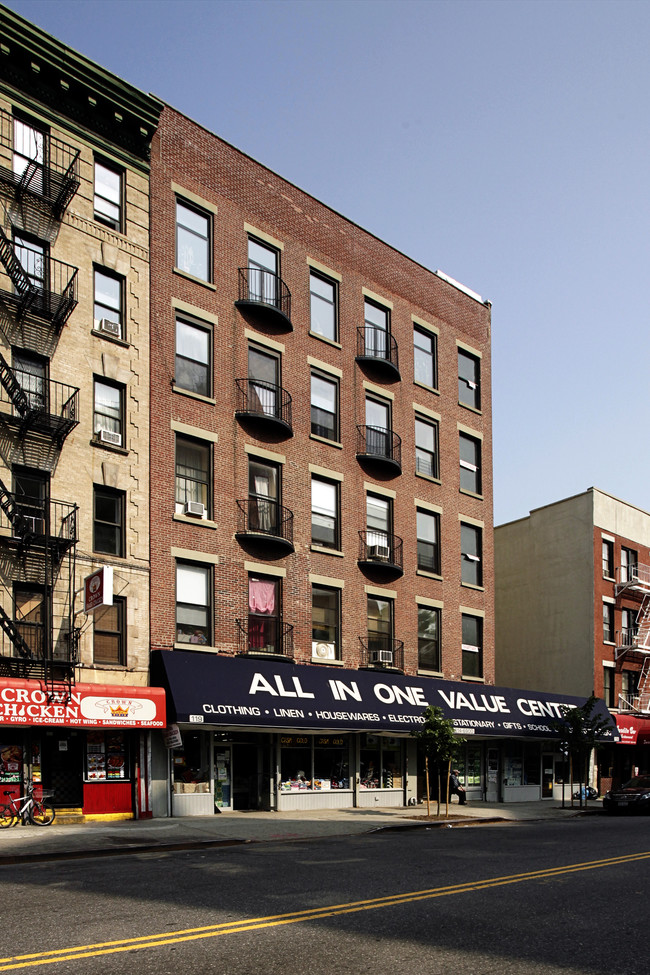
point(381, 551)
point(265, 634)
point(50, 178)
point(265, 292)
point(43, 406)
point(379, 650)
point(265, 403)
point(380, 445)
point(33, 522)
point(634, 577)
point(378, 347)
point(265, 521)
point(52, 296)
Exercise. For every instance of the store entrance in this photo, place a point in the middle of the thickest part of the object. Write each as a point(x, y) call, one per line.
point(247, 776)
point(63, 767)
point(492, 775)
point(547, 776)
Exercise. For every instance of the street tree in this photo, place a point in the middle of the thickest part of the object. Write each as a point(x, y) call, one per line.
point(440, 745)
point(581, 730)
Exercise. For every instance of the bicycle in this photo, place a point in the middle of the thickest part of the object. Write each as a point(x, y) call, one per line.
point(34, 810)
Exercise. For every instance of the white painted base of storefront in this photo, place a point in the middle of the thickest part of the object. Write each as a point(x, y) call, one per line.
point(376, 798)
point(193, 804)
point(521, 793)
point(337, 799)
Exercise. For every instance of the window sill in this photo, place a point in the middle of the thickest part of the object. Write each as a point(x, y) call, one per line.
point(475, 680)
point(327, 663)
point(609, 643)
point(430, 673)
point(110, 448)
point(192, 277)
point(202, 522)
point(323, 338)
point(426, 477)
point(471, 494)
point(202, 647)
point(430, 389)
point(188, 392)
point(110, 338)
point(470, 585)
point(96, 665)
point(326, 551)
point(428, 575)
point(326, 440)
point(472, 409)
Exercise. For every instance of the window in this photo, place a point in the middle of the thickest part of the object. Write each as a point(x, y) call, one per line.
point(193, 604)
point(469, 379)
point(31, 371)
point(108, 424)
point(108, 526)
point(609, 695)
point(377, 330)
point(608, 623)
point(29, 154)
point(629, 569)
point(629, 626)
point(263, 381)
point(426, 447)
point(428, 539)
point(379, 518)
point(608, 558)
point(109, 633)
point(28, 616)
point(325, 513)
point(323, 306)
point(193, 358)
point(263, 271)
point(193, 228)
point(471, 555)
point(108, 309)
point(324, 406)
point(264, 483)
point(380, 629)
point(470, 463)
point(378, 427)
point(32, 494)
point(429, 639)
point(193, 494)
point(33, 255)
point(629, 689)
point(425, 358)
point(325, 617)
point(108, 195)
point(472, 645)
point(265, 632)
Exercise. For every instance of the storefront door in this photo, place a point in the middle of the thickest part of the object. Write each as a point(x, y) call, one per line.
point(492, 775)
point(246, 776)
point(547, 776)
point(62, 766)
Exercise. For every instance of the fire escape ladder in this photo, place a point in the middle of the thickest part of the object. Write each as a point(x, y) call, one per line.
point(28, 174)
point(14, 389)
point(643, 624)
point(13, 633)
point(24, 288)
point(644, 686)
point(18, 522)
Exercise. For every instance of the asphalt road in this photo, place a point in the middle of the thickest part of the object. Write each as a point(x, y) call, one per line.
point(533, 898)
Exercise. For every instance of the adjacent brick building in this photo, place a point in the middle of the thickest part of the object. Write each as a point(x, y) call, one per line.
point(321, 478)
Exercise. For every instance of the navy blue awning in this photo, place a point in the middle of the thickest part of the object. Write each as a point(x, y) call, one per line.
point(205, 688)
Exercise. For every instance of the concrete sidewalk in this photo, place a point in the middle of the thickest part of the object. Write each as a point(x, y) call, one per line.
point(22, 844)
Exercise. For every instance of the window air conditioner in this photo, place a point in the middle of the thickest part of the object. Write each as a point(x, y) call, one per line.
point(110, 327)
point(108, 436)
point(194, 508)
point(323, 651)
point(381, 657)
point(380, 553)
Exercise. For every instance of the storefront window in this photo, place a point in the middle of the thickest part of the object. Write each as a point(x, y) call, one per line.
point(514, 766)
point(191, 764)
point(11, 762)
point(473, 774)
point(318, 763)
point(222, 782)
point(531, 764)
point(106, 756)
point(380, 763)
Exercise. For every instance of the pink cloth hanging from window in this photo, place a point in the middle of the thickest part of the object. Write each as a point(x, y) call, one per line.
point(261, 596)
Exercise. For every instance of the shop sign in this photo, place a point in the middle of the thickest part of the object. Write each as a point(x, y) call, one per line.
point(633, 731)
point(172, 737)
point(223, 691)
point(98, 589)
point(28, 702)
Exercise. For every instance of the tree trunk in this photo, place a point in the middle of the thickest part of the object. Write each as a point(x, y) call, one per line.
point(448, 774)
point(426, 772)
point(438, 809)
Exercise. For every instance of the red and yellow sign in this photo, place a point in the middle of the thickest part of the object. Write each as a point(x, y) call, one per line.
point(30, 702)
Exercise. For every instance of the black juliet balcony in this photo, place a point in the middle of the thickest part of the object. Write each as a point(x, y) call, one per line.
point(264, 524)
point(35, 166)
point(382, 651)
point(380, 448)
point(265, 405)
point(265, 636)
point(46, 290)
point(380, 554)
point(265, 295)
point(377, 349)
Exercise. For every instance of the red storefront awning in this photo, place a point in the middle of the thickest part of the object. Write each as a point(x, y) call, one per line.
point(31, 703)
point(633, 730)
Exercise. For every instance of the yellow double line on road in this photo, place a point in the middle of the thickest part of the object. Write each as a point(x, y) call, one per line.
point(295, 917)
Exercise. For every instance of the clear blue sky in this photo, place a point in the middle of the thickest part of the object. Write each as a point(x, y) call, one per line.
point(506, 143)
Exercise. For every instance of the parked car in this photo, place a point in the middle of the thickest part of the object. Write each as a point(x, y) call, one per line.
point(632, 797)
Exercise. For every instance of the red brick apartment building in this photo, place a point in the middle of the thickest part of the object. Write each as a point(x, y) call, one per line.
point(321, 488)
point(573, 615)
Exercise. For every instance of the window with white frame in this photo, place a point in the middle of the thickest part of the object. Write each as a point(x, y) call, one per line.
point(608, 623)
point(428, 540)
point(108, 423)
point(325, 622)
point(426, 447)
point(469, 379)
point(107, 200)
point(192, 477)
point(108, 310)
point(429, 639)
point(472, 646)
point(425, 359)
point(608, 558)
point(471, 545)
point(193, 233)
point(193, 604)
point(324, 406)
point(325, 513)
point(470, 463)
point(323, 298)
point(193, 357)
